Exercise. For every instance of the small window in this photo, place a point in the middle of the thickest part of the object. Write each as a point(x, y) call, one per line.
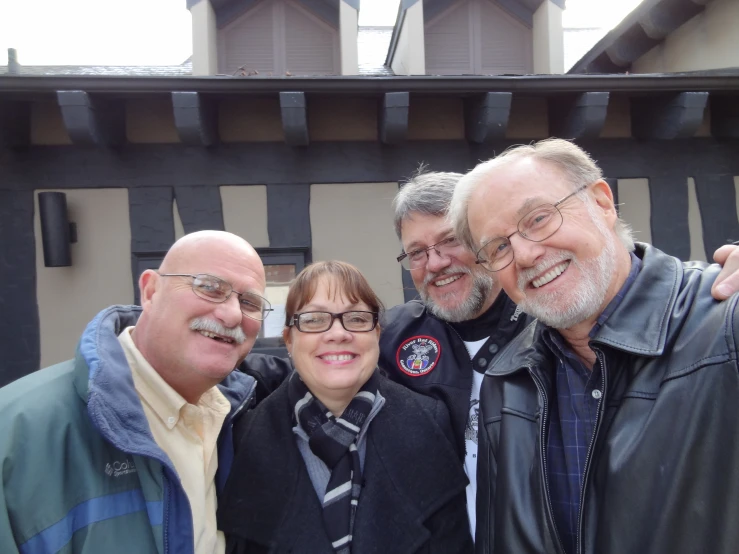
point(281, 265)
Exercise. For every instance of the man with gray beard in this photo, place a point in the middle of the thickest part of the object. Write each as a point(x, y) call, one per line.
point(442, 344)
point(611, 424)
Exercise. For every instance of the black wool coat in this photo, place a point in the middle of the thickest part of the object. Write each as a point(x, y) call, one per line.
point(413, 495)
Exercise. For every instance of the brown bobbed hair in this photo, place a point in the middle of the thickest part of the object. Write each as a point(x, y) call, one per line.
point(343, 279)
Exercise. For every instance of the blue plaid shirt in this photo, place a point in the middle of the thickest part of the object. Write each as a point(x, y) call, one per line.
point(572, 421)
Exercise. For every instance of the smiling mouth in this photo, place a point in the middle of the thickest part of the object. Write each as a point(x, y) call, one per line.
point(216, 337)
point(448, 280)
point(550, 275)
point(337, 357)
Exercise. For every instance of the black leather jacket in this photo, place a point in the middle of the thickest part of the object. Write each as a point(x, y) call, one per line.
point(662, 472)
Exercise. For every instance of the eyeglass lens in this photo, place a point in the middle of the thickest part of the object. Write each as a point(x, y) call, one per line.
point(418, 258)
point(317, 322)
point(537, 225)
point(217, 290)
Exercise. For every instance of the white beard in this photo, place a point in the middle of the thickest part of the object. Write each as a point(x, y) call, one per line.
point(565, 309)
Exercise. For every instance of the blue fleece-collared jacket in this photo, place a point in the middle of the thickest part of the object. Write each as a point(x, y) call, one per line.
point(80, 471)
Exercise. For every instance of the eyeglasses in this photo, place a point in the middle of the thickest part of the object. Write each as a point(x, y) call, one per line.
point(417, 259)
point(215, 289)
point(537, 225)
point(319, 322)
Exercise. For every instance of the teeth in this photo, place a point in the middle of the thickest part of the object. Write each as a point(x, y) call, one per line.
point(447, 281)
point(338, 357)
point(216, 337)
point(550, 275)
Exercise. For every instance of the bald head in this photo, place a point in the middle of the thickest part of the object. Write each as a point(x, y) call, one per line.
point(190, 339)
point(201, 241)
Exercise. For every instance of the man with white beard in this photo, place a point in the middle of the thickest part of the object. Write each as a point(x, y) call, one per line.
point(609, 425)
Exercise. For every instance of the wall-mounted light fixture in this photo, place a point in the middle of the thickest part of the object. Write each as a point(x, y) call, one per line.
point(57, 233)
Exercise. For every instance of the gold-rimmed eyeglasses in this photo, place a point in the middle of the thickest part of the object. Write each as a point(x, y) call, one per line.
point(215, 289)
point(537, 225)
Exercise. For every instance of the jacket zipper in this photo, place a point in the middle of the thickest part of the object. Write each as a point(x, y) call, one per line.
point(543, 458)
point(602, 361)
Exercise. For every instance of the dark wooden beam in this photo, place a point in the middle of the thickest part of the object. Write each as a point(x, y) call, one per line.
point(91, 121)
point(200, 208)
point(196, 118)
point(486, 116)
point(579, 116)
point(19, 326)
point(394, 117)
point(630, 46)
point(152, 229)
point(668, 198)
point(671, 116)
point(717, 201)
point(15, 123)
point(288, 203)
point(265, 163)
point(724, 116)
point(294, 118)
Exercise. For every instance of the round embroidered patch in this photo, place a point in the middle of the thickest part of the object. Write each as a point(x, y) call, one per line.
point(417, 356)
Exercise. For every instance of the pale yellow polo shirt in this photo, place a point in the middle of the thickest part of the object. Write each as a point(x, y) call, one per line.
point(188, 434)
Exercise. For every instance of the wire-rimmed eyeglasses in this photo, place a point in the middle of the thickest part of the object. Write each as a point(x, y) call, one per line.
point(215, 289)
point(319, 322)
point(537, 225)
point(416, 259)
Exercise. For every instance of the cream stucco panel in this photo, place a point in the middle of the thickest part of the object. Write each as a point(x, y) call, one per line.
point(245, 213)
point(695, 224)
point(635, 207)
point(100, 275)
point(354, 223)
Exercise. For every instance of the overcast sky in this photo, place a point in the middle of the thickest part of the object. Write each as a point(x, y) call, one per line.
point(157, 32)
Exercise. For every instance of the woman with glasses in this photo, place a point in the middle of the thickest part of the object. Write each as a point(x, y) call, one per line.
point(338, 458)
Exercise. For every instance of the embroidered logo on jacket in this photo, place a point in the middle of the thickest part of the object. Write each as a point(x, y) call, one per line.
point(116, 469)
point(417, 356)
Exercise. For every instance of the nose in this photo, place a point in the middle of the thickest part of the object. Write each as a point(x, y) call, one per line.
point(229, 312)
point(436, 262)
point(336, 332)
point(525, 252)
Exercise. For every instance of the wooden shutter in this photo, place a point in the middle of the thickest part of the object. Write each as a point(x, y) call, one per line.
point(249, 42)
point(311, 46)
point(505, 42)
point(449, 42)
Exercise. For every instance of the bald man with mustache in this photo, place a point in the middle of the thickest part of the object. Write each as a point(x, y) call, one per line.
point(119, 450)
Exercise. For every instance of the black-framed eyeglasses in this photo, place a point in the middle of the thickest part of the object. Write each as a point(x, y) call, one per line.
point(320, 322)
point(537, 225)
point(416, 259)
point(215, 289)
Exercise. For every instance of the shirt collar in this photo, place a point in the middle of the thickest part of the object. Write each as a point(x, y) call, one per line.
point(151, 387)
point(554, 340)
point(614, 303)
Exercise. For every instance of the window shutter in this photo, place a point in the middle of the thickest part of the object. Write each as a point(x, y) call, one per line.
point(505, 42)
point(248, 42)
point(448, 40)
point(311, 47)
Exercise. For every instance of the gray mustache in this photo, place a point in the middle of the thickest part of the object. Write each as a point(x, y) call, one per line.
point(210, 326)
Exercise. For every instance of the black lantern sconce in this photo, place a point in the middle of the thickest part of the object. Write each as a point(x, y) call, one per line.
point(57, 233)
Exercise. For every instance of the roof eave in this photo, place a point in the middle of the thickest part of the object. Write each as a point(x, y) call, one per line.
point(710, 81)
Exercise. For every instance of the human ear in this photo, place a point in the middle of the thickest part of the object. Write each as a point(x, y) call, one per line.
point(603, 196)
point(148, 284)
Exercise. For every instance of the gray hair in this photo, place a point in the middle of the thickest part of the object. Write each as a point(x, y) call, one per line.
point(427, 193)
point(576, 165)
